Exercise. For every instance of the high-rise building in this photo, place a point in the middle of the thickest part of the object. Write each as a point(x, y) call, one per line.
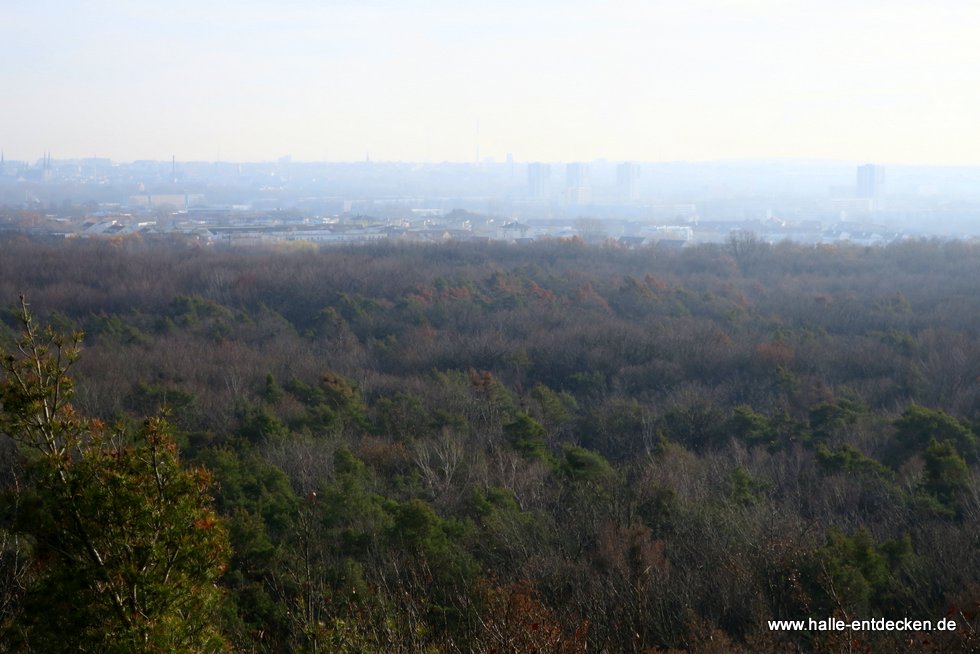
point(538, 180)
point(626, 176)
point(577, 183)
point(870, 179)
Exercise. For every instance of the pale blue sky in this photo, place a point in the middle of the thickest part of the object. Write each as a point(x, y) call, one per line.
point(893, 82)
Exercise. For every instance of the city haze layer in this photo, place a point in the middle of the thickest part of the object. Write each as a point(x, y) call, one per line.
point(628, 203)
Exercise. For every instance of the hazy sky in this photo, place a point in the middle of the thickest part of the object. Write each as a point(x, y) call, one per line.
point(890, 81)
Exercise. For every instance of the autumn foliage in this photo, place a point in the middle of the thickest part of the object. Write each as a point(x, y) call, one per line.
point(551, 448)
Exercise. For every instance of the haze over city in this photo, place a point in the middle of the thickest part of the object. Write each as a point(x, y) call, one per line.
point(890, 82)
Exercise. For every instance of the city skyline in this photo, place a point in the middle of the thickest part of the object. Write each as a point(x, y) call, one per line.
point(430, 81)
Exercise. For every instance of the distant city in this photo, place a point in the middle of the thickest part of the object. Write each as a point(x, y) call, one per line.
point(626, 204)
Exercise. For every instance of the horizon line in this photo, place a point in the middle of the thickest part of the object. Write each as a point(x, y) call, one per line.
point(51, 158)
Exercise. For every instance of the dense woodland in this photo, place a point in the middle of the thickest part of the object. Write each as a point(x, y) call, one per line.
point(552, 448)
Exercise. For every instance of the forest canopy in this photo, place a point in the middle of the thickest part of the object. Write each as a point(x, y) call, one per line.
point(552, 447)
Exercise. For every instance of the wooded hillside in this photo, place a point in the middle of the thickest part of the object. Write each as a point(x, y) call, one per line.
point(553, 448)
